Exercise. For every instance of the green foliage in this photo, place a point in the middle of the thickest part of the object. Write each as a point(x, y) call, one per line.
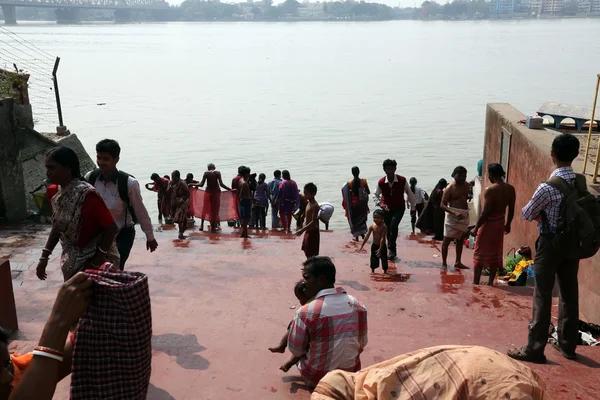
point(11, 85)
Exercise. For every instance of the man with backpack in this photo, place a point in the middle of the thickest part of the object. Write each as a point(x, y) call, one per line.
point(567, 216)
point(122, 195)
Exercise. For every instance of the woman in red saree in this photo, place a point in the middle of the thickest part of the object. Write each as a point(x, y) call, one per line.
point(179, 195)
point(355, 200)
point(80, 220)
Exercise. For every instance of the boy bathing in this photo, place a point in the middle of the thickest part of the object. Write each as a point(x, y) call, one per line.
point(311, 242)
point(379, 247)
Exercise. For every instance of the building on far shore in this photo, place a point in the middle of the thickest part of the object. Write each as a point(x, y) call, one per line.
point(553, 7)
point(502, 7)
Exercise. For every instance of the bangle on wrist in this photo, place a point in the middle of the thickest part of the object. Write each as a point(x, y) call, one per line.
point(48, 250)
point(44, 258)
point(102, 251)
point(48, 353)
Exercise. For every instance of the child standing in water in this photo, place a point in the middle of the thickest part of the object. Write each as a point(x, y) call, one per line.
point(311, 241)
point(379, 247)
point(301, 296)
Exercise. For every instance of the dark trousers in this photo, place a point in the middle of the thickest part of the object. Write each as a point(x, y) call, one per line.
point(375, 260)
point(550, 264)
point(392, 219)
point(124, 240)
point(416, 213)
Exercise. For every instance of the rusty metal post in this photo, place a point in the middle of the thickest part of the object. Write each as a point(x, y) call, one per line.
point(56, 93)
point(589, 138)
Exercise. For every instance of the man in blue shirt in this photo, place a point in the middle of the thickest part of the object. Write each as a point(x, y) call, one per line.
point(544, 207)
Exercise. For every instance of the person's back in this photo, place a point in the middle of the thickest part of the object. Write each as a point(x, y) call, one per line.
point(502, 194)
point(330, 346)
point(260, 193)
point(212, 181)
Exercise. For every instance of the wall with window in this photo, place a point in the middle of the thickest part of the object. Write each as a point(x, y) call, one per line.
point(525, 154)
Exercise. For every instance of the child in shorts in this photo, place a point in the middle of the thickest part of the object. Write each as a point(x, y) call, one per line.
point(379, 246)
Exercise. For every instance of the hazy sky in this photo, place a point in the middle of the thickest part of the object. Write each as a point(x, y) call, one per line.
point(391, 3)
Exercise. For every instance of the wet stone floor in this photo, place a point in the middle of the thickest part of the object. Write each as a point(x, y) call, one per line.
point(218, 303)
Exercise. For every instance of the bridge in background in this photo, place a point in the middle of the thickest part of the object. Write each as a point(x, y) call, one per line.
point(67, 10)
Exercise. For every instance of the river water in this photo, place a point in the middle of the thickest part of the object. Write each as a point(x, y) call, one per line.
point(314, 98)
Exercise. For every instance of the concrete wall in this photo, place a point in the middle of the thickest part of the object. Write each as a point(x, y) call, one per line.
point(34, 156)
point(22, 158)
point(529, 164)
point(11, 167)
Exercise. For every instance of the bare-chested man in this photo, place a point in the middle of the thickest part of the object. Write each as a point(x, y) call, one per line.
point(456, 225)
point(311, 242)
point(214, 183)
point(245, 200)
point(493, 224)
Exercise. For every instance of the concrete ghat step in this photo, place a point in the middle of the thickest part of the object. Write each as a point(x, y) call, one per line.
point(218, 302)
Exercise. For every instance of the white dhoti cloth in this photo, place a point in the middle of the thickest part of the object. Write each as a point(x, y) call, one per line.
point(455, 227)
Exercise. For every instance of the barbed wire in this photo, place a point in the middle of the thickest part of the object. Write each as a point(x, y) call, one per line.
point(30, 59)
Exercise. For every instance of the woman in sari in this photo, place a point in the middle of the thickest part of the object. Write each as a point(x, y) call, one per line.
point(355, 194)
point(179, 194)
point(431, 221)
point(80, 220)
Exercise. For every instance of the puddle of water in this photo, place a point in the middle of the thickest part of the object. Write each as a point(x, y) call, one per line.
point(247, 244)
point(447, 289)
point(181, 243)
point(451, 279)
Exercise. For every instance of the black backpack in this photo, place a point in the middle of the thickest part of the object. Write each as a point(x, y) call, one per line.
point(578, 228)
point(122, 180)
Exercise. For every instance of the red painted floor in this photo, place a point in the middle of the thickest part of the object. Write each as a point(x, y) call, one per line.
point(218, 302)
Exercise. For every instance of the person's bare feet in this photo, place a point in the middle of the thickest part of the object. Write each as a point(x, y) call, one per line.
point(460, 266)
point(286, 367)
point(278, 349)
point(444, 267)
point(246, 236)
point(181, 236)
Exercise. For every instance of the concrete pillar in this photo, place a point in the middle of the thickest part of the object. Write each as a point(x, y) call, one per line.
point(11, 167)
point(123, 16)
point(67, 16)
point(8, 310)
point(10, 14)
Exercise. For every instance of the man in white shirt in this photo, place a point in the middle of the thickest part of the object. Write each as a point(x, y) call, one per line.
point(122, 195)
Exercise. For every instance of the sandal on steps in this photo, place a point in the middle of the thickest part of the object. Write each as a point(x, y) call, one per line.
point(524, 354)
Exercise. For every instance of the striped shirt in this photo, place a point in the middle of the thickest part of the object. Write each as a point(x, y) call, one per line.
point(547, 198)
point(331, 332)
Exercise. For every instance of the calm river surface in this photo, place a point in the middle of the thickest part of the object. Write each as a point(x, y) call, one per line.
point(314, 98)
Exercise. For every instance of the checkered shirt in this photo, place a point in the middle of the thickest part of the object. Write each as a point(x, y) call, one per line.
point(547, 198)
point(113, 343)
point(329, 333)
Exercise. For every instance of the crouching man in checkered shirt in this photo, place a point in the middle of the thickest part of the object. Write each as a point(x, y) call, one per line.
point(330, 331)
